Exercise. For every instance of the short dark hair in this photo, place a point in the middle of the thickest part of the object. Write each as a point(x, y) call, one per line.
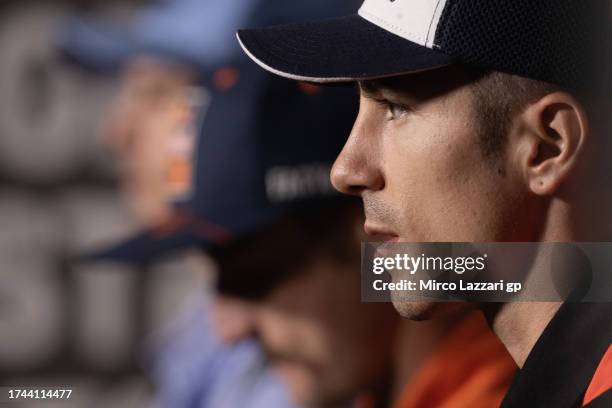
point(498, 97)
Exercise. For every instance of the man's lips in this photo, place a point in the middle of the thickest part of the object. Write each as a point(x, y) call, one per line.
point(380, 234)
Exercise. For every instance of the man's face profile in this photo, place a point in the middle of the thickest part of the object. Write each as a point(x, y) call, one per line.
point(417, 156)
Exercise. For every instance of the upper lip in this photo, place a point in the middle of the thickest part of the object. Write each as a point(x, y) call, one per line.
point(379, 232)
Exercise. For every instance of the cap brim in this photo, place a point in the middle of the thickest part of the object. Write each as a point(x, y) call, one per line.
point(147, 246)
point(337, 50)
point(179, 232)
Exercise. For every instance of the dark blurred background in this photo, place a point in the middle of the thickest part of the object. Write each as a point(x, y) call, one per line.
point(61, 323)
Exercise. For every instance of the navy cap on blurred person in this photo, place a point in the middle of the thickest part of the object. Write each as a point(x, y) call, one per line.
point(198, 33)
point(266, 149)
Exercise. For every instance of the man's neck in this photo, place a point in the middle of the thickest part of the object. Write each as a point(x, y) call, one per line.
point(519, 325)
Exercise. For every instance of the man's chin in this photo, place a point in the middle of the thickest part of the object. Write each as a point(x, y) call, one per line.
point(417, 311)
point(420, 311)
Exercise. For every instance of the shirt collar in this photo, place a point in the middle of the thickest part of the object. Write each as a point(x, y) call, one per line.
point(561, 364)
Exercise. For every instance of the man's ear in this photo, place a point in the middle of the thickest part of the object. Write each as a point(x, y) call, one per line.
point(553, 133)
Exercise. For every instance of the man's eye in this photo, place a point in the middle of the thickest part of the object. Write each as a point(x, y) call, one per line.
point(395, 111)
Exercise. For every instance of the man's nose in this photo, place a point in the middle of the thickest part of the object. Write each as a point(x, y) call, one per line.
point(357, 168)
point(233, 319)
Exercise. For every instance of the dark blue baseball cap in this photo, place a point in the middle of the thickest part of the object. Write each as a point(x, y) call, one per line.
point(266, 148)
point(565, 42)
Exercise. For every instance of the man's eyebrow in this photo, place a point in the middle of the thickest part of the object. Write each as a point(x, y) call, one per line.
point(370, 87)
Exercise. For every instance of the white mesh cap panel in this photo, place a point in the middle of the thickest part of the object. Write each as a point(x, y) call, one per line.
point(413, 20)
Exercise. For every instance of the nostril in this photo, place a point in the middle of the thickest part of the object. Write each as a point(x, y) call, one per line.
point(355, 190)
point(351, 181)
point(340, 179)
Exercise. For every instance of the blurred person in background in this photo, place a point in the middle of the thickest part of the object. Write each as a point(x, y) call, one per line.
point(151, 125)
point(160, 52)
point(151, 129)
point(229, 156)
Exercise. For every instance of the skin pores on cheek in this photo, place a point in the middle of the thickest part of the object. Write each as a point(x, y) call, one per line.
point(438, 182)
